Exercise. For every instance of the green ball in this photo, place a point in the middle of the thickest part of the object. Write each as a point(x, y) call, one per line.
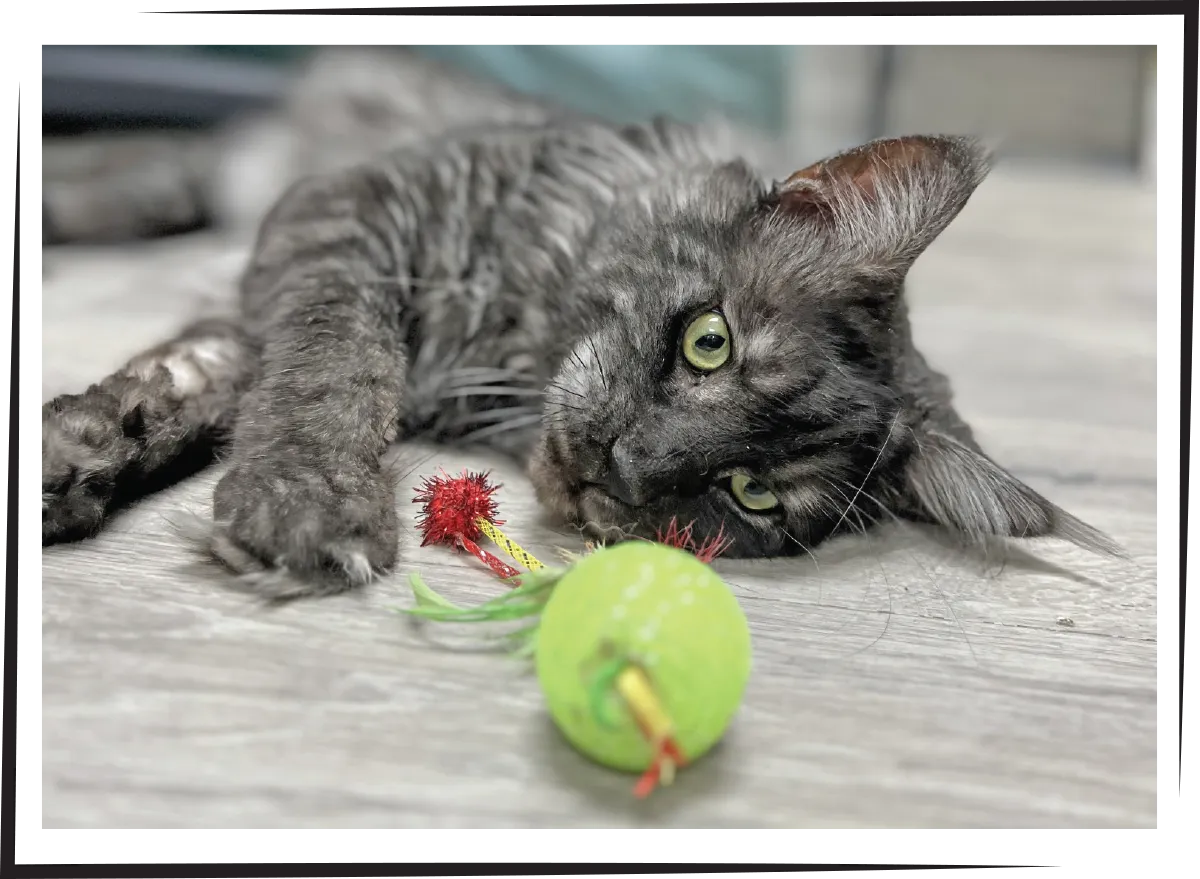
point(660, 608)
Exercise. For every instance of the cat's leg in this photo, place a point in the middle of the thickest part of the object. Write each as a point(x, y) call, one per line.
point(159, 415)
point(307, 507)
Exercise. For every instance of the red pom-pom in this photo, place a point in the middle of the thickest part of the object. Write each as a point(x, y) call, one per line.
point(453, 506)
point(681, 538)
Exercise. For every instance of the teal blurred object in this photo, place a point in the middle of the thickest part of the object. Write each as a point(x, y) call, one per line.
point(630, 82)
point(620, 82)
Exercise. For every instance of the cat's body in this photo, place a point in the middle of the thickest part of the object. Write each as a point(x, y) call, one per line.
point(660, 331)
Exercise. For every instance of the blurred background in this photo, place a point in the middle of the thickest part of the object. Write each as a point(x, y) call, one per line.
point(1090, 106)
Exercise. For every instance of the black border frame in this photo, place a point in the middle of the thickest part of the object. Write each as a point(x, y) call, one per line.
point(465, 18)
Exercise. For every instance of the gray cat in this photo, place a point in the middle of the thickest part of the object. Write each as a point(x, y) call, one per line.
point(633, 309)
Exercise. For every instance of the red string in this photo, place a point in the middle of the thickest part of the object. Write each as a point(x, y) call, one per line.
point(502, 570)
point(648, 781)
point(650, 778)
point(683, 538)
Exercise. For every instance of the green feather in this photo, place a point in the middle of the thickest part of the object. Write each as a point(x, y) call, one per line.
point(426, 597)
point(524, 641)
point(525, 600)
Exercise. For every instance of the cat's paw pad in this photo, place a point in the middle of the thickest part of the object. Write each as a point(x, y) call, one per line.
point(292, 532)
point(84, 450)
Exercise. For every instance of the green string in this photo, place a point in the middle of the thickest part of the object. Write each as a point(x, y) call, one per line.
point(526, 600)
point(600, 691)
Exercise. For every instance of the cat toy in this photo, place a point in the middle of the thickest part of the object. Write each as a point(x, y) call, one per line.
point(458, 510)
point(641, 650)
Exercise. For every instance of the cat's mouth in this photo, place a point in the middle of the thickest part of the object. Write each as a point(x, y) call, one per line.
point(579, 498)
point(605, 517)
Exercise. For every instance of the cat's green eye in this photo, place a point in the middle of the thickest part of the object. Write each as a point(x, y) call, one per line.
point(706, 342)
point(751, 494)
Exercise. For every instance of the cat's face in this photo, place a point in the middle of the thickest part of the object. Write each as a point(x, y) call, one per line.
point(733, 382)
point(747, 364)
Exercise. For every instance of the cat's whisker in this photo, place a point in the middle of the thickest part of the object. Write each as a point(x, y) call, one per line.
point(554, 404)
point(490, 391)
point(516, 423)
point(490, 415)
point(829, 481)
point(930, 576)
point(887, 622)
point(599, 364)
point(577, 356)
point(852, 506)
point(558, 387)
point(487, 374)
point(866, 494)
point(870, 470)
point(806, 549)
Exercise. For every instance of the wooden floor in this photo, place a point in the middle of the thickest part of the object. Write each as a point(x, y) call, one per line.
point(897, 683)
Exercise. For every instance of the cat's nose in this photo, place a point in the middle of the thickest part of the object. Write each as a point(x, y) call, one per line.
point(622, 480)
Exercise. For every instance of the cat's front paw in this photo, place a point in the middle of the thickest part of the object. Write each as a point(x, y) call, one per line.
point(85, 448)
point(300, 530)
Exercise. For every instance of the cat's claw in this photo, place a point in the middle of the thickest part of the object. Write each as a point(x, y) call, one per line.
point(295, 532)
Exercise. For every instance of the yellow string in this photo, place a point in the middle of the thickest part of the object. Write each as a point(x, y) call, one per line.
point(636, 690)
point(498, 537)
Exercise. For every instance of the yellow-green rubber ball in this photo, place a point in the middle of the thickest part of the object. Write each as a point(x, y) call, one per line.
point(660, 608)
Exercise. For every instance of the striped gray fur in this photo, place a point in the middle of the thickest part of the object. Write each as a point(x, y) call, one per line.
point(508, 273)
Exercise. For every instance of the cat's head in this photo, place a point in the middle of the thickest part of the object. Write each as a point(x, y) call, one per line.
point(750, 364)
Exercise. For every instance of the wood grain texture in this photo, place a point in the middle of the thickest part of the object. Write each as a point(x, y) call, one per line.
point(897, 682)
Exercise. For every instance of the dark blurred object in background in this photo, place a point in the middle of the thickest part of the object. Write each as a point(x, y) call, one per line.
point(123, 87)
point(1085, 105)
point(136, 86)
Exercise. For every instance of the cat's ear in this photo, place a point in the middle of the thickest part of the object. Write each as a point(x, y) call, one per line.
point(884, 202)
point(961, 489)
